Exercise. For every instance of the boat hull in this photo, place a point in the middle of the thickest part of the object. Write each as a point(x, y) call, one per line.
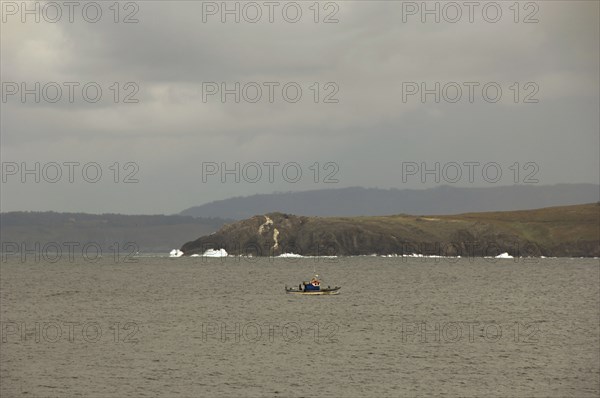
point(322, 292)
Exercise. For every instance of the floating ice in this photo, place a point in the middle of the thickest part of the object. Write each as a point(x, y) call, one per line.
point(419, 255)
point(504, 255)
point(215, 253)
point(290, 255)
point(176, 253)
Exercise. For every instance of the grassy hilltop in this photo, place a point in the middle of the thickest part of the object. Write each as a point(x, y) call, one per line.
point(569, 231)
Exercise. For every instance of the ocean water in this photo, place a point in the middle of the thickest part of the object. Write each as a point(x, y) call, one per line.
point(197, 327)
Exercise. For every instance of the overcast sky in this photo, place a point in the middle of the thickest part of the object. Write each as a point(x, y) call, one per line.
point(368, 127)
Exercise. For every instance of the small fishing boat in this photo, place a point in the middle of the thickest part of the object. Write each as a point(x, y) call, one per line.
point(313, 288)
point(324, 291)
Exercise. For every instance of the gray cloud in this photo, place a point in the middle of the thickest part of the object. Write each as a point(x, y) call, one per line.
point(369, 133)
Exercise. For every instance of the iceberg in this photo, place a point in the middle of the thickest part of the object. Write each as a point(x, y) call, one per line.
point(504, 255)
point(290, 255)
point(176, 253)
point(215, 253)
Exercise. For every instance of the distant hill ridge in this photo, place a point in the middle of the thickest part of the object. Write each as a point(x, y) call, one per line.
point(356, 201)
point(154, 233)
point(566, 231)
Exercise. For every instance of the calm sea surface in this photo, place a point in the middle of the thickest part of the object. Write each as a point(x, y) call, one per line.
point(198, 327)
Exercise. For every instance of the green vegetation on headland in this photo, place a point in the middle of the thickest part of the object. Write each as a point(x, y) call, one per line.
point(566, 231)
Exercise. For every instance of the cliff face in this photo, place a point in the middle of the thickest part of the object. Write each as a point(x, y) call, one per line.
point(561, 231)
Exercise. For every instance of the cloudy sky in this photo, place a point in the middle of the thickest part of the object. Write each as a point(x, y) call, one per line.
point(517, 87)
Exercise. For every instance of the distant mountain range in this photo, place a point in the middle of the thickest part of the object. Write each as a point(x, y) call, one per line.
point(356, 201)
point(161, 233)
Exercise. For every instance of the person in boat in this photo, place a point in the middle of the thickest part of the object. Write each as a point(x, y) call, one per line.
point(315, 284)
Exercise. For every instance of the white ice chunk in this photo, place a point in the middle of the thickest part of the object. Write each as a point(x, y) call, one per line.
point(290, 255)
point(176, 253)
point(215, 253)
